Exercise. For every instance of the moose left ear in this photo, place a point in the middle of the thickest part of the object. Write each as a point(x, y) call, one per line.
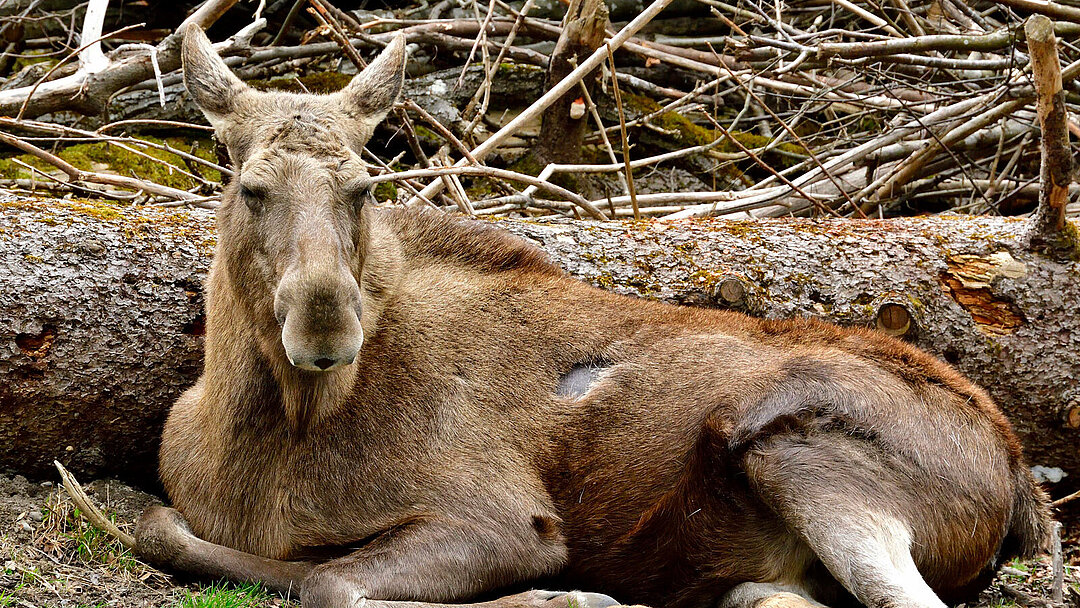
point(372, 93)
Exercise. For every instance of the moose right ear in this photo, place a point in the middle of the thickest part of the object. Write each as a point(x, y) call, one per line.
point(210, 82)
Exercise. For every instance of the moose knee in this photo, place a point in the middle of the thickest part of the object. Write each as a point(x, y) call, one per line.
point(329, 588)
point(161, 535)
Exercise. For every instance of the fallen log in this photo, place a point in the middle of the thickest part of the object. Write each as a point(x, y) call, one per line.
point(101, 311)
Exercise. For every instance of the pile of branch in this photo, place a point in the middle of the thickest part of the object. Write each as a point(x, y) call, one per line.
point(746, 109)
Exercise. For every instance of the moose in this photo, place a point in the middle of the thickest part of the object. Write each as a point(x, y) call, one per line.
point(400, 409)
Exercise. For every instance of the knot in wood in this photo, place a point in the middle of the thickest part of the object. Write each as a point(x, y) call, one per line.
point(893, 319)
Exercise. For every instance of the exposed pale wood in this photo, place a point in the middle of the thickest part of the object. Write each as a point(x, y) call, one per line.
point(88, 92)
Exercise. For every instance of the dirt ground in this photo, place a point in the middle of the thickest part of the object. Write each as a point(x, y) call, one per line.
point(52, 557)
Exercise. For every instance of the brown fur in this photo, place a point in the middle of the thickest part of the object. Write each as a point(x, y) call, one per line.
point(715, 450)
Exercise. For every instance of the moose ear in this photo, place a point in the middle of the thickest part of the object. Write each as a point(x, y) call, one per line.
point(371, 93)
point(210, 82)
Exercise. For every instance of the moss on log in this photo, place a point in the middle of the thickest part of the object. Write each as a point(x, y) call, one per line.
point(101, 311)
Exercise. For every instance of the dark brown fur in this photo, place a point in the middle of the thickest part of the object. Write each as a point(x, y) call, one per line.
point(715, 451)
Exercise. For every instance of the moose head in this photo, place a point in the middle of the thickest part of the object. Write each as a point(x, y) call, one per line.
point(292, 223)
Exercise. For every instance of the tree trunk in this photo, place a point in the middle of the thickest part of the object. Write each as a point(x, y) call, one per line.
point(563, 128)
point(101, 311)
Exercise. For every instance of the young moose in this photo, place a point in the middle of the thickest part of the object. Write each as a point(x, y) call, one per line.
point(402, 410)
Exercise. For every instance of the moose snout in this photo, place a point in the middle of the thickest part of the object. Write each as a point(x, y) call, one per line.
point(320, 321)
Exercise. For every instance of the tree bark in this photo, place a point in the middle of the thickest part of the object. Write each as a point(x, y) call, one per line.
point(563, 129)
point(101, 311)
point(1056, 169)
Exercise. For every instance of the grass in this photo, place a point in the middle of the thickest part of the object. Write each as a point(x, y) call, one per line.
point(225, 595)
point(67, 534)
point(1019, 565)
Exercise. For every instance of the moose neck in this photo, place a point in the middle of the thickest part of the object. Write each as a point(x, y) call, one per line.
point(246, 362)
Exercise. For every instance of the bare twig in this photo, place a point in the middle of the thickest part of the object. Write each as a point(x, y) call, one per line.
point(571, 80)
point(625, 142)
point(91, 512)
point(483, 171)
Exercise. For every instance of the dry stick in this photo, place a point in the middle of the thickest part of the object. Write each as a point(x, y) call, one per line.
point(90, 136)
point(946, 114)
point(323, 16)
point(73, 54)
point(1056, 168)
point(289, 18)
point(154, 122)
point(617, 167)
point(917, 44)
point(1056, 565)
point(883, 188)
point(381, 164)
point(603, 134)
point(909, 17)
point(750, 91)
point(675, 104)
point(1063, 500)
point(877, 101)
point(484, 171)
point(87, 508)
point(867, 15)
point(557, 91)
point(99, 135)
point(876, 202)
point(847, 160)
point(118, 142)
point(764, 165)
point(1051, 9)
point(118, 74)
point(625, 142)
point(489, 69)
point(343, 17)
point(126, 197)
point(486, 89)
point(441, 129)
point(480, 41)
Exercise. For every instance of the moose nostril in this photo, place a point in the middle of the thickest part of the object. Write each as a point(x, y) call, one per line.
point(324, 363)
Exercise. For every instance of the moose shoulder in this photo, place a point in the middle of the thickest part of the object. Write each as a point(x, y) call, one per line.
point(400, 409)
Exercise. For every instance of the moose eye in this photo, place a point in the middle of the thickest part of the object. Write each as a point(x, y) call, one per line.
point(360, 191)
point(252, 198)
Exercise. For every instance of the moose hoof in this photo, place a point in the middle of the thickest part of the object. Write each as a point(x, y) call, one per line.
point(571, 599)
point(161, 535)
point(785, 600)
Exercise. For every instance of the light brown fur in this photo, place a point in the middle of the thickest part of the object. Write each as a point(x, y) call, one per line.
point(714, 453)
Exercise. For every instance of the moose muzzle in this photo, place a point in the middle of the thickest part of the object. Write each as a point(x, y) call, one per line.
point(319, 315)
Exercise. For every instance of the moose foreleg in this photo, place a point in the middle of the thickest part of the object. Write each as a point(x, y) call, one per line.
point(445, 559)
point(163, 538)
point(414, 566)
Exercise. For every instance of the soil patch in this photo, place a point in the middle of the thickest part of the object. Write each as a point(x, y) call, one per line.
point(51, 556)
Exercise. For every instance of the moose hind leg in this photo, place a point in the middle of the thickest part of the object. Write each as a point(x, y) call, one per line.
point(846, 503)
